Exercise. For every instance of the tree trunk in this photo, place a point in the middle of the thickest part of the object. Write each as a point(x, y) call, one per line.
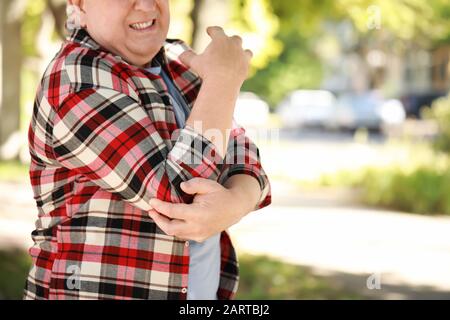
point(58, 10)
point(205, 14)
point(195, 13)
point(11, 12)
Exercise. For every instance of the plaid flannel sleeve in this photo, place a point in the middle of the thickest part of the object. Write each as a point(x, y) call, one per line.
point(243, 157)
point(108, 137)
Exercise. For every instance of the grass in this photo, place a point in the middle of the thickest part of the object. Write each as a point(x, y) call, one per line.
point(419, 183)
point(261, 278)
point(14, 267)
point(400, 175)
point(266, 278)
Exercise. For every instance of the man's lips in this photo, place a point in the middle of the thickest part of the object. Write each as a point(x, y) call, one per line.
point(142, 26)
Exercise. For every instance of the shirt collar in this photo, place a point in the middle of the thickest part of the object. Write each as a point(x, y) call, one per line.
point(82, 37)
point(155, 70)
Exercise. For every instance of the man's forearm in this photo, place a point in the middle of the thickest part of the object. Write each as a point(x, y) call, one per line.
point(214, 109)
point(223, 67)
point(246, 189)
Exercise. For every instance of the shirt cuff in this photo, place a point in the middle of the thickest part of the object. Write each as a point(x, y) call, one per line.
point(196, 155)
point(265, 196)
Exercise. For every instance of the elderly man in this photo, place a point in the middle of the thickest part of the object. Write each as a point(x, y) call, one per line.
point(134, 167)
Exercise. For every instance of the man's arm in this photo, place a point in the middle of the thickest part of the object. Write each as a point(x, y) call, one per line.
point(246, 190)
point(223, 68)
point(243, 158)
point(215, 207)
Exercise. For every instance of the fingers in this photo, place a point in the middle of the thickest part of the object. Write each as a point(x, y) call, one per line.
point(172, 210)
point(169, 227)
point(187, 57)
point(249, 53)
point(215, 31)
point(237, 39)
point(200, 186)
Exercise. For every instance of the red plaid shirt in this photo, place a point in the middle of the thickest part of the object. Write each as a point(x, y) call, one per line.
point(103, 141)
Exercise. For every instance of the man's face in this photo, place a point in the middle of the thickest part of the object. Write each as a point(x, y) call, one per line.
point(132, 29)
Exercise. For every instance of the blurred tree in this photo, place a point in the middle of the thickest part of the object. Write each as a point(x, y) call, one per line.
point(58, 10)
point(442, 32)
point(408, 20)
point(398, 23)
point(298, 65)
point(195, 18)
point(440, 113)
point(285, 35)
point(204, 14)
point(11, 18)
point(258, 25)
point(254, 20)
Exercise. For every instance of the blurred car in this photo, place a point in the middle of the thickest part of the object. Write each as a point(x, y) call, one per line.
point(307, 108)
point(251, 110)
point(367, 110)
point(415, 102)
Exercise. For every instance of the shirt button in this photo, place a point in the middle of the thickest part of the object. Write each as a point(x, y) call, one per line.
point(186, 244)
point(184, 290)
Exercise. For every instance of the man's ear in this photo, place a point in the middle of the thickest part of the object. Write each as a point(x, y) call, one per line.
point(83, 21)
point(76, 13)
point(79, 3)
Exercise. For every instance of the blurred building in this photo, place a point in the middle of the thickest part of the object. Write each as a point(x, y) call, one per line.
point(409, 72)
point(440, 77)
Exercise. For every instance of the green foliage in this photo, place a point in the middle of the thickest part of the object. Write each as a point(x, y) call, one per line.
point(283, 34)
point(440, 112)
point(14, 267)
point(302, 17)
point(404, 19)
point(31, 24)
point(261, 278)
point(266, 278)
point(296, 68)
point(258, 25)
point(301, 26)
point(423, 189)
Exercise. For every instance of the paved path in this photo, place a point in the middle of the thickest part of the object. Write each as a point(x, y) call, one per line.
point(17, 215)
point(410, 254)
point(326, 231)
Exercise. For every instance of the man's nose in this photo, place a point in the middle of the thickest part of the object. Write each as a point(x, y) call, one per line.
point(145, 5)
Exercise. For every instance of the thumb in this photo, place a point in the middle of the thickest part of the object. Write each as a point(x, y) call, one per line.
point(200, 186)
point(187, 57)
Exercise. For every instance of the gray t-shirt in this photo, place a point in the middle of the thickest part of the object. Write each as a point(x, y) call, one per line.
point(204, 262)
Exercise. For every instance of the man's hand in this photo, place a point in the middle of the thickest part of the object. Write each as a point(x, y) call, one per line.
point(224, 59)
point(223, 68)
point(214, 209)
